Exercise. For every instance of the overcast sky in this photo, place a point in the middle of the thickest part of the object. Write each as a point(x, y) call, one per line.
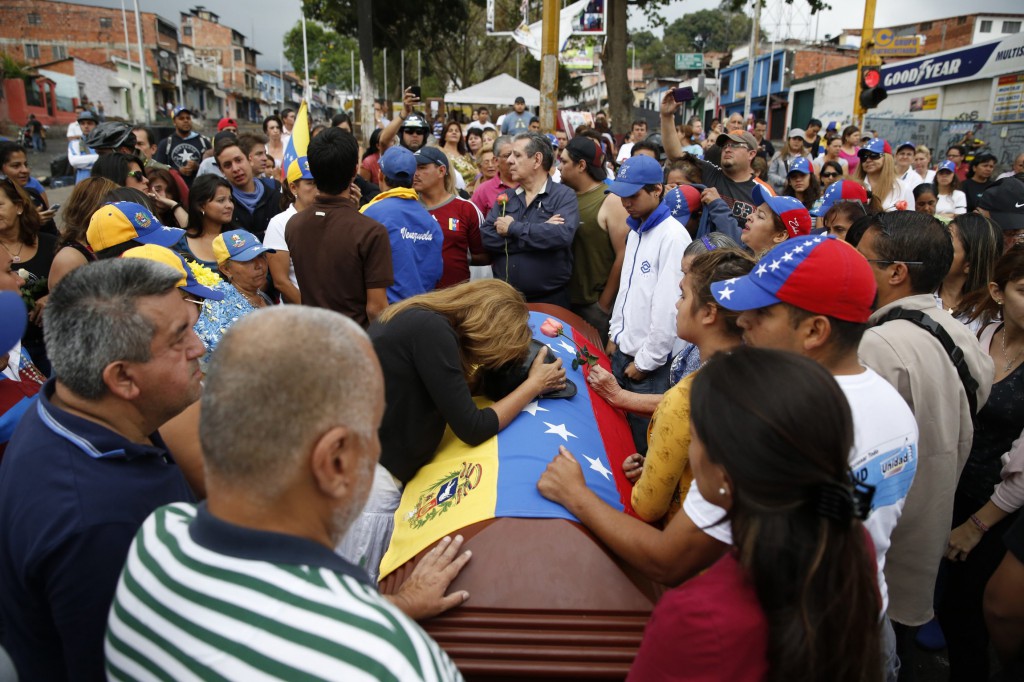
point(264, 22)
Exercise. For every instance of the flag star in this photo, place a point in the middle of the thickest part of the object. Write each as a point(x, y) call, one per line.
point(775, 265)
point(566, 346)
point(731, 281)
point(551, 348)
point(761, 269)
point(559, 430)
point(598, 466)
point(816, 240)
point(799, 249)
point(725, 294)
point(788, 256)
point(534, 407)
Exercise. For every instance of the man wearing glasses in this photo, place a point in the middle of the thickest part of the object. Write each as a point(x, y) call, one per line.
point(487, 193)
point(910, 254)
point(956, 153)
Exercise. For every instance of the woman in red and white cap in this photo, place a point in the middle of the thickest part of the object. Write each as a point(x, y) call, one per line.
point(877, 171)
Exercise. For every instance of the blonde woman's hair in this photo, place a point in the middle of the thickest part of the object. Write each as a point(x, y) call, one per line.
point(489, 318)
point(886, 178)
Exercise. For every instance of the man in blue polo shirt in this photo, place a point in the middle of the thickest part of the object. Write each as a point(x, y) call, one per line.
point(86, 465)
point(529, 231)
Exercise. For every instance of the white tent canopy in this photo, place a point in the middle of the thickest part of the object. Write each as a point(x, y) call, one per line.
point(502, 89)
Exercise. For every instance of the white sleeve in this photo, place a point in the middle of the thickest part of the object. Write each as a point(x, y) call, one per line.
point(79, 159)
point(460, 182)
point(706, 516)
point(656, 348)
point(959, 202)
point(274, 237)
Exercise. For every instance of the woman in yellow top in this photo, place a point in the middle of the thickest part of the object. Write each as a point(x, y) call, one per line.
point(665, 474)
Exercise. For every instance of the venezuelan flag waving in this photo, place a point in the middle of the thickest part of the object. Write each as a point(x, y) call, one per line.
point(295, 164)
point(463, 485)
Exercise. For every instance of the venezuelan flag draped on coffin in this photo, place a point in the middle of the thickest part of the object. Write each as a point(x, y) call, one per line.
point(463, 485)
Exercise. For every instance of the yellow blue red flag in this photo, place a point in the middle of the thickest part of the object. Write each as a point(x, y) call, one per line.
point(295, 164)
point(463, 484)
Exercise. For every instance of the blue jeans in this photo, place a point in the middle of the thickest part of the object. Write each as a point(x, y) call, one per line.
point(655, 383)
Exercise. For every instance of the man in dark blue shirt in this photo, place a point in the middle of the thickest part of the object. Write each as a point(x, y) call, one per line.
point(529, 235)
point(86, 466)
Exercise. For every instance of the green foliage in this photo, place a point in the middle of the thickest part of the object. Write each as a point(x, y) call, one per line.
point(329, 53)
point(11, 67)
point(703, 31)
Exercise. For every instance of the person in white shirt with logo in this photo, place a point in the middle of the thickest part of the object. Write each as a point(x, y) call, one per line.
point(817, 304)
point(643, 323)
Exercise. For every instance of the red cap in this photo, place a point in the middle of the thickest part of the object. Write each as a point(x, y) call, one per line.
point(226, 122)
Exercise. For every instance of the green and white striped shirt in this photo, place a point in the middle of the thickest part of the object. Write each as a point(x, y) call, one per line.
point(203, 599)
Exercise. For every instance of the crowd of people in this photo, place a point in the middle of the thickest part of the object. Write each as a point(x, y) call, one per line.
point(224, 366)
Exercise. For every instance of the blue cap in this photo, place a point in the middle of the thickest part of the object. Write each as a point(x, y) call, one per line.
point(946, 166)
point(428, 155)
point(908, 144)
point(237, 245)
point(397, 162)
point(187, 281)
point(876, 145)
point(684, 201)
point(15, 316)
point(182, 110)
point(122, 221)
point(634, 173)
point(800, 165)
point(841, 190)
point(831, 125)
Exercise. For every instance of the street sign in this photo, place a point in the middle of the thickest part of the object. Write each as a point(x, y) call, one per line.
point(689, 61)
point(886, 44)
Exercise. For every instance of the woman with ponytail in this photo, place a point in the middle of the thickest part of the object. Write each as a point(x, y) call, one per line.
point(796, 596)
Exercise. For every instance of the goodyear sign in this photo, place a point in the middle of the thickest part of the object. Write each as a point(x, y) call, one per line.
point(987, 60)
point(886, 44)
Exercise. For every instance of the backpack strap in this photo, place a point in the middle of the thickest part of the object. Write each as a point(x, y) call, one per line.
point(955, 353)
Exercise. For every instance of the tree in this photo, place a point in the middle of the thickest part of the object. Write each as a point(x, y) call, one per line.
point(330, 54)
point(568, 85)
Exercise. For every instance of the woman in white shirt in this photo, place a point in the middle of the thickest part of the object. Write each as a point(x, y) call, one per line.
point(877, 171)
point(951, 201)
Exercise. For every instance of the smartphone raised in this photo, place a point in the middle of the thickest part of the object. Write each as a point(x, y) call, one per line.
point(684, 94)
point(415, 90)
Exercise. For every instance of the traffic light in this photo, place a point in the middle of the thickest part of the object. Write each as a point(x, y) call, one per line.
point(872, 92)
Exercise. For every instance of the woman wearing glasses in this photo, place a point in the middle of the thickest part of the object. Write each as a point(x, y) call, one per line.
point(831, 172)
point(877, 171)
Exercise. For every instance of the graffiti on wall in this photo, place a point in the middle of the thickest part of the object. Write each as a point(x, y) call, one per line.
point(940, 135)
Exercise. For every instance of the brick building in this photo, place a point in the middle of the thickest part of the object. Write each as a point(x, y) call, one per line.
point(951, 32)
point(44, 32)
point(225, 48)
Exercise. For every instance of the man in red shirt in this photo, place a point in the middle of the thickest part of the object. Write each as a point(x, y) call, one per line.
point(487, 192)
point(459, 219)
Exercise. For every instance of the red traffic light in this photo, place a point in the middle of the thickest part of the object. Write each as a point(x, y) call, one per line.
point(872, 77)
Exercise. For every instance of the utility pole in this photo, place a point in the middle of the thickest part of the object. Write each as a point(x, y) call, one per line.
point(752, 57)
point(865, 57)
point(307, 92)
point(142, 65)
point(549, 65)
point(128, 56)
point(366, 87)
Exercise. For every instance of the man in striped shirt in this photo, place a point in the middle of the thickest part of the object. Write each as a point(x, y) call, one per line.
point(246, 586)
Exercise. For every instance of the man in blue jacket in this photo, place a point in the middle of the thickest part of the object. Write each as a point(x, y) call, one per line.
point(416, 238)
point(530, 234)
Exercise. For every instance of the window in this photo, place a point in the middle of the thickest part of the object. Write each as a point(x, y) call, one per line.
point(188, 31)
point(926, 26)
point(986, 27)
point(960, 21)
point(238, 55)
point(1011, 27)
point(34, 19)
point(777, 71)
point(106, 22)
point(725, 83)
point(743, 80)
point(59, 52)
point(31, 51)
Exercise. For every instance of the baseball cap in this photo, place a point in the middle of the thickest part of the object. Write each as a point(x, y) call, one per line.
point(907, 145)
point(520, 100)
point(227, 123)
point(793, 213)
point(841, 190)
point(122, 221)
point(588, 148)
point(174, 260)
point(1004, 201)
point(15, 316)
point(796, 132)
point(224, 135)
point(428, 155)
point(799, 165)
point(875, 145)
point(86, 116)
point(182, 110)
point(741, 136)
point(238, 245)
point(946, 166)
point(820, 274)
point(683, 201)
point(634, 173)
point(397, 162)
point(831, 125)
